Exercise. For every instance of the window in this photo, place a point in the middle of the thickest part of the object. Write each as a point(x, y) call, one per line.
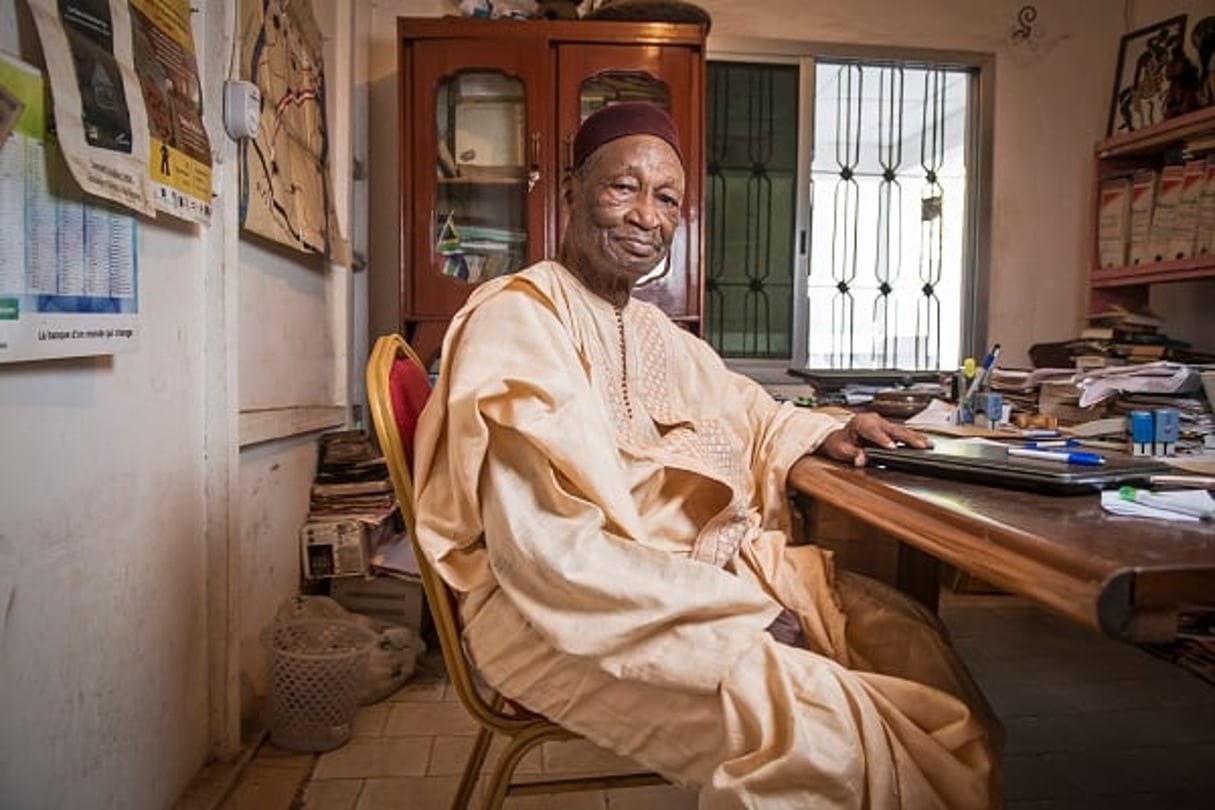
point(845, 219)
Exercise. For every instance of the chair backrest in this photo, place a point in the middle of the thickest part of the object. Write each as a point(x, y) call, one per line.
point(397, 389)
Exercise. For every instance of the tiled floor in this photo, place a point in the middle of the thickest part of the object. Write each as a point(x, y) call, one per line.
point(1090, 724)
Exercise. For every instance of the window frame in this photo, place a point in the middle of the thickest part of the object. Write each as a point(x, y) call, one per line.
point(980, 152)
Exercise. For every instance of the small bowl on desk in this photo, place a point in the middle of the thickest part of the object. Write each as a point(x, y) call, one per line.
point(901, 403)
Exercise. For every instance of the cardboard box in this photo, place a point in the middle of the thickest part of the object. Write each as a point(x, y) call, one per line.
point(393, 599)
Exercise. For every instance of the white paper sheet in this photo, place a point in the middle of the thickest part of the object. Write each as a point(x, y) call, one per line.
point(1113, 502)
point(1162, 377)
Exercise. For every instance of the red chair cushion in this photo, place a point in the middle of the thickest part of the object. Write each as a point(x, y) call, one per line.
point(409, 387)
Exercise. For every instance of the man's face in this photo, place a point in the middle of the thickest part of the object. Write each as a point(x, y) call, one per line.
point(624, 204)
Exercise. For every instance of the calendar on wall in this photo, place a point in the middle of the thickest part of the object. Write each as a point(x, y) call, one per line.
point(68, 264)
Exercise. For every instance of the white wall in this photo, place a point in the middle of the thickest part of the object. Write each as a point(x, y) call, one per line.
point(150, 501)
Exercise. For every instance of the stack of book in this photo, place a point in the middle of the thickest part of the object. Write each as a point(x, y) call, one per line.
point(354, 539)
point(351, 507)
point(1157, 215)
point(1018, 387)
point(1121, 336)
point(351, 479)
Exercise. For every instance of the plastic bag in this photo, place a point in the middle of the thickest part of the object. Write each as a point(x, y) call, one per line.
point(393, 659)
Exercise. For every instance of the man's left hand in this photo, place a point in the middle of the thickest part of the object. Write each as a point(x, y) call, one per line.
point(847, 443)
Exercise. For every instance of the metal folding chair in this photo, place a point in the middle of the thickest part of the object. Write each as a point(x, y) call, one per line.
point(397, 388)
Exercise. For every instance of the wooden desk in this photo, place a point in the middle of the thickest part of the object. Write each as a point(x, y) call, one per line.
point(1126, 577)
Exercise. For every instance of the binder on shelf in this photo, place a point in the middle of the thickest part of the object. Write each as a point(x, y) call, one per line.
point(1113, 221)
point(1204, 241)
point(1164, 214)
point(1185, 225)
point(1143, 201)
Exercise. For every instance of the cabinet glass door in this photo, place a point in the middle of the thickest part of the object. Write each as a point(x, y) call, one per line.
point(485, 167)
point(614, 86)
point(595, 76)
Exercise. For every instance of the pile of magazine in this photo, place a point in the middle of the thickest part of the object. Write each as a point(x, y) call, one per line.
point(351, 480)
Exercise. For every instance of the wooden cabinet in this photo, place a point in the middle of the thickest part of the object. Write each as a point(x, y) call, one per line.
point(489, 109)
point(1172, 141)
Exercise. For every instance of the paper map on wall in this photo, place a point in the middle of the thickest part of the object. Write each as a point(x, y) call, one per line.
point(285, 191)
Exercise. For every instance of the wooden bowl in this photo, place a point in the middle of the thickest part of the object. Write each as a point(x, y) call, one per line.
point(901, 403)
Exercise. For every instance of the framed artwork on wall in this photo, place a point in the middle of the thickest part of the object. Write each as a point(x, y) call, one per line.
point(1202, 37)
point(1141, 82)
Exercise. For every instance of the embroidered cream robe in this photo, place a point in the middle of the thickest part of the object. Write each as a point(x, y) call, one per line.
point(609, 501)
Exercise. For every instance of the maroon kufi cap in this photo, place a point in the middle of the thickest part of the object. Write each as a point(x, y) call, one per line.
point(621, 119)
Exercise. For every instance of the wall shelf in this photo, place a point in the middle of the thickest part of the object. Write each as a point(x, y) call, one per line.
point(1170, 142)
point(1155, 273)
point(1160, 136)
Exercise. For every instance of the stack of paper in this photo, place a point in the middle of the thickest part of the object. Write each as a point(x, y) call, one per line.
point(1162, 377)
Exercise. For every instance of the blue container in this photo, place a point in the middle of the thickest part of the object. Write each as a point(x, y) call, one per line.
point(1142, 428)
point(1167, 430)
point(992, 406)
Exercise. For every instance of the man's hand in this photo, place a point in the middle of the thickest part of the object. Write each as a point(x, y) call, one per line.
point(846, 444)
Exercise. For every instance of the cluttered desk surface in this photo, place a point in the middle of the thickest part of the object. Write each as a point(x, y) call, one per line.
point(1129, 577)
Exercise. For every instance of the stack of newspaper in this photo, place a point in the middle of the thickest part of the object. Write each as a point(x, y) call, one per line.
point(351, 479)
point(352, 508)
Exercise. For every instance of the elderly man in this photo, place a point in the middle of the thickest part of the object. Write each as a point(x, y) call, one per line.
point(608, 500)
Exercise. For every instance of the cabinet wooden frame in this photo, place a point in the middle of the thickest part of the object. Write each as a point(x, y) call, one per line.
point(552, 59)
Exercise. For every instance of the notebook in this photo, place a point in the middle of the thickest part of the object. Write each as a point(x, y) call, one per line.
point(989, 463)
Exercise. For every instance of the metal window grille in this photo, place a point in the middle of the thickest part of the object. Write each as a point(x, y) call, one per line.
point(889, 193)
point(751, 149)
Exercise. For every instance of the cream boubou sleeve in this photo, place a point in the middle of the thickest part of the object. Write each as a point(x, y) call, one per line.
point(779, 433)
point(521, 484)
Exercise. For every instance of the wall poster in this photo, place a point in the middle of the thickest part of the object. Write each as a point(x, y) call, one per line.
point(179, 151)
point(99, 118)
point(68, 267)
point(128, 102)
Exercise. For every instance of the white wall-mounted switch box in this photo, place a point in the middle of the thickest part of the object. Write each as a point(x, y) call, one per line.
point(242, 108)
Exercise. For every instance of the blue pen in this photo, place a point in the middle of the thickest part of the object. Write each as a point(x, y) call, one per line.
point(1066, 457)
point(984, 370)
